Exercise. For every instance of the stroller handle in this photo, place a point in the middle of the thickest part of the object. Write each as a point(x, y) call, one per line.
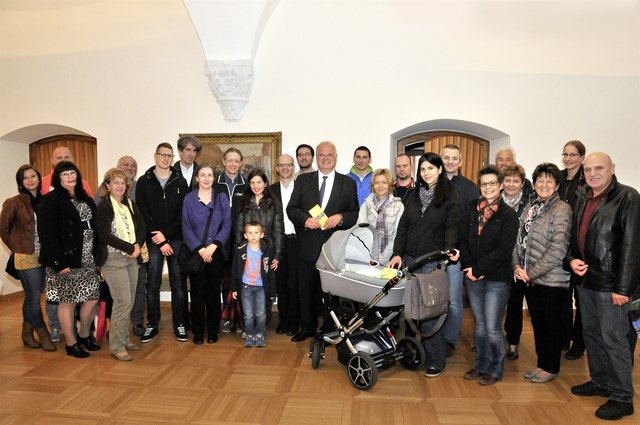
point(430, 256)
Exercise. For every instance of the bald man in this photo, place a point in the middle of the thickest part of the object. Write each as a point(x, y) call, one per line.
point(129, 165)
point(287, 273)
point(605, 235)
point(59, 154)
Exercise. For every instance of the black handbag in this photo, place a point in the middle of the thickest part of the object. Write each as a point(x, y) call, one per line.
point(11, 267)
point(189, 261)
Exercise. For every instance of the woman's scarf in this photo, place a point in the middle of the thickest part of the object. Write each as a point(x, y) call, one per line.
point(381, 221)
point(485, 210)
point(512, 202)
point(523, 233)
point(123, 222)
point(426, 196)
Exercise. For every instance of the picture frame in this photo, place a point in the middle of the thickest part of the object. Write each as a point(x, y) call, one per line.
point(259, 150)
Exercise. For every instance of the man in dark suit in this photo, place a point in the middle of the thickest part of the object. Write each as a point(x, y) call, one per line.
point(188, 148)
point(336, 194)
point(287, 273)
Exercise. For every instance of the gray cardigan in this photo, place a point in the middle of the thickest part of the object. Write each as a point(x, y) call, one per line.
point(548, 243)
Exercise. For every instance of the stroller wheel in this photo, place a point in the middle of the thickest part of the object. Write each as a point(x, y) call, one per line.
point(317, 347)
point(412, 353)
point(362, 371)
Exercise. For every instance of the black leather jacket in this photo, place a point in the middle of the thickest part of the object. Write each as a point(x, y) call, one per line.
point(271, 220)
point(612, 240)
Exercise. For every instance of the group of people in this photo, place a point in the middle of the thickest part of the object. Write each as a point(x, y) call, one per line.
point(509, 239)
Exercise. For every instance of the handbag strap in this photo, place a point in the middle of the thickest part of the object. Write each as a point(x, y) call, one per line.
point(206, 228)
point(431, 332)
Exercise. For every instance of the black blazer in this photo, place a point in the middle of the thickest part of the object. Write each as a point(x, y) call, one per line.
point(61, 231)
point(306, 194)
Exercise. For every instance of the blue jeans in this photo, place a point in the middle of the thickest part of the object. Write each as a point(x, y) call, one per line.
point(156, 261)
point(605, 327)
point(33, 284)
point(488, 301)
point(453, 324)
point(434, 346)
point(254, 308)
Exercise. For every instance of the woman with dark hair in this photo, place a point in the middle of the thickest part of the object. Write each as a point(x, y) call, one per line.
point(201, 207)
point(542, 244)
point(429, 223)
point(260, 204)
point(66, 227)
point(18, 229)
point(513, 195)
point(571, 181)
point(121, 234)
point(486, 247)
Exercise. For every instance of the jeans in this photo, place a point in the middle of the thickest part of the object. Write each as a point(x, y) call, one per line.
point(121, 274)
point(488, 301)
point(33, 285)
point(544, 306)
point(434, 346)
point(254, 307)
point(137, 312)
point(156, 261)
point(605, 327)
point(456, 308)
point(52, 314)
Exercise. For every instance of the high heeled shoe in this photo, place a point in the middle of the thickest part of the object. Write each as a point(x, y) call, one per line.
point(76, 351)
point(88, 343)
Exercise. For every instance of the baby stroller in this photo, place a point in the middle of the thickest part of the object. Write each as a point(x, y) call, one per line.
point(363, 337)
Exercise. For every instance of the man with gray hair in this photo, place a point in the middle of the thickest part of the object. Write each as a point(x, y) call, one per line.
point(507, 156)
point(188, 148)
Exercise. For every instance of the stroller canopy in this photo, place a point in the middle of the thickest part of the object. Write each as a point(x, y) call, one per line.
point(352, 246)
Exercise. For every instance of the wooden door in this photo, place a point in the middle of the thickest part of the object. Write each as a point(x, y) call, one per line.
point(83, 148)
point(474, 150)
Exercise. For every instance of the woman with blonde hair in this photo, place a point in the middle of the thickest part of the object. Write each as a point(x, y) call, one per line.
point(382, 211)
point(121, 234)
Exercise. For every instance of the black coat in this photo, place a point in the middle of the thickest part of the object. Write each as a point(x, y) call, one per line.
point(306, 195)
point(61, 231)
point(434, 230)
point(270, 219)
point(106, 238)
point(613, 237)
point(490, 253)
point(161, 207)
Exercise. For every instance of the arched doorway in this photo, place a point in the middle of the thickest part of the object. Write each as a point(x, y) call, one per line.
point(83, 148)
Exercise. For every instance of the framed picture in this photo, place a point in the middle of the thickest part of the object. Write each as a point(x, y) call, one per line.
point(259, 150)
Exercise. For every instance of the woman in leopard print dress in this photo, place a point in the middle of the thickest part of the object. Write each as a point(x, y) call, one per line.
point(67, 235)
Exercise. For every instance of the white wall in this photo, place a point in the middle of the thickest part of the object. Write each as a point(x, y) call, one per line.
point(350, 71)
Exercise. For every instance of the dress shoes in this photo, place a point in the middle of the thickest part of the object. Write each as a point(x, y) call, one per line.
point(281, 329)
point(487, 380)
point(613, 410)
point(302, 335)
point(574, 353)
point(538, 379)
point(76, 351)
point(589, 389)
point(198, 340)
point(213, 338)
point(532, 373)
point(473, 374)
point(88, 343)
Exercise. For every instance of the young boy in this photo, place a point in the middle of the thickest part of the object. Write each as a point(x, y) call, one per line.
point(254, 278)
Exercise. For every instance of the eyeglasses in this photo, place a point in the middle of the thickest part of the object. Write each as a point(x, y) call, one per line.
point(326, 155)
point(165, 155)
point(570, 155)
point(492, 183)
point(68, 174)
point(285, 165)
